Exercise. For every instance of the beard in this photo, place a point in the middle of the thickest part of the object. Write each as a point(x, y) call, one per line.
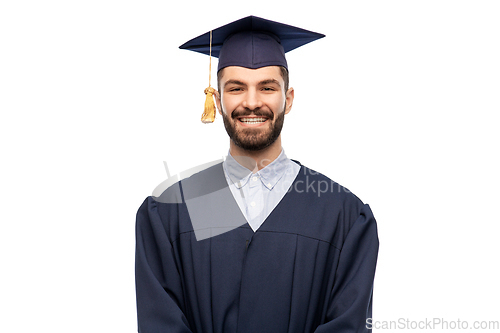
point(253, 139)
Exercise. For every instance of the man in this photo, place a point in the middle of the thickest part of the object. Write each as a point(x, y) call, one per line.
point(249, 245)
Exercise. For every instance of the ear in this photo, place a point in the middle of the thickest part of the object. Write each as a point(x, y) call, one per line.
point(217, 101)
point(289, 99)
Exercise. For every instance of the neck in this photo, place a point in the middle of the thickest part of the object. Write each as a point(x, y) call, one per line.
point(256, 160)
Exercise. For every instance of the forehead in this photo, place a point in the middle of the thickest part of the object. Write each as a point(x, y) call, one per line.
point(251, 76)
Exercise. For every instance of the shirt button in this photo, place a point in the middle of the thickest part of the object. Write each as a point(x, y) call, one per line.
point(254, 178)
point(252, 204)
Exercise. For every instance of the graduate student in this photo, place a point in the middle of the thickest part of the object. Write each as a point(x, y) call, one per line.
point(257, 243)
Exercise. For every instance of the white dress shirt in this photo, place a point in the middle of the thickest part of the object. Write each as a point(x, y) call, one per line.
point(257, 194)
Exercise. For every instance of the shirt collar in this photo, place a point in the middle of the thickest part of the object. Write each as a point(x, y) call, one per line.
point(237, 173)
point(269, 175)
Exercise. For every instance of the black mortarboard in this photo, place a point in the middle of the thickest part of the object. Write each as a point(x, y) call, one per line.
point(251, 42)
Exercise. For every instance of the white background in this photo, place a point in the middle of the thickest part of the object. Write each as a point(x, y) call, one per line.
point(398, 103)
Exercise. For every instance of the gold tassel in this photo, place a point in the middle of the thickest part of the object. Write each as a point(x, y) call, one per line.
point(208, 115)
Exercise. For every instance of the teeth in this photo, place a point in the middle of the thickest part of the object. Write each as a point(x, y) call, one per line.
point(252, 120)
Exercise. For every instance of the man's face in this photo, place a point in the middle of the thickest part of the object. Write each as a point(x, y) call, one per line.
point(253, 104)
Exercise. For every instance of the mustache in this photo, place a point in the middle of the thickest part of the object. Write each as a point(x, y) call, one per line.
point(256, 112)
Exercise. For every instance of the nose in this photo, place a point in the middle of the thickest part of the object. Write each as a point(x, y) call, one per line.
point(252, 100)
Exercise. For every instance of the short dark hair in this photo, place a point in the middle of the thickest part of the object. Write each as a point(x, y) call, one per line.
point(284, 75)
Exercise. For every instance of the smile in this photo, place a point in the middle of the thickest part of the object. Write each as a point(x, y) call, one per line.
point(252, 120)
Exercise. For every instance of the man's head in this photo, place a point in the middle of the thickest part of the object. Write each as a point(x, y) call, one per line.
point(253, 94)
point(253, 104)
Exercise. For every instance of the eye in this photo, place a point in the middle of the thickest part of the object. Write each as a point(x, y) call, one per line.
point(234, 89)
point(268, 89)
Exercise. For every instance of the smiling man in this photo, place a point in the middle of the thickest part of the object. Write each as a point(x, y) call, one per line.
point(258, 243)
point(259, 102)
point(253, 104)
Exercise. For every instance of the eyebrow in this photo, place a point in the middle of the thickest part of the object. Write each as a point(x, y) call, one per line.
point(261, 83)
point(270, 81)
point(236, 82)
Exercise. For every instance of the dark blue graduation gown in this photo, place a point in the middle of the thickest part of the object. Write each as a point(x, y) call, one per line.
point(308, 268)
